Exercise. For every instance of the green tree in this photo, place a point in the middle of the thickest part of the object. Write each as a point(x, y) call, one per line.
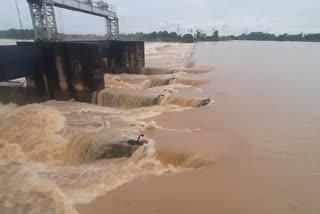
point(216, 35)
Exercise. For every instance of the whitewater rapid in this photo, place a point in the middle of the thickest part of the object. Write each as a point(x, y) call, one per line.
point(49, 152)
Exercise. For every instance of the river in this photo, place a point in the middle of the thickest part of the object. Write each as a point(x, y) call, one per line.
point(254, 149)
point(261, 136)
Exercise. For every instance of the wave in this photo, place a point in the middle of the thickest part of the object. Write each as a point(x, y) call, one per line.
point(124, 98)
point(55, 155)
point(155, 47)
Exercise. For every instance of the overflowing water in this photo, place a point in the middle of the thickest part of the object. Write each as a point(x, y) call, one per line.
point(255, 150)
point(55, 155)
point(261, 135)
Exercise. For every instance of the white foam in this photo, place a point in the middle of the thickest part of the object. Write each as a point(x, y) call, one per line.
point(48, 150)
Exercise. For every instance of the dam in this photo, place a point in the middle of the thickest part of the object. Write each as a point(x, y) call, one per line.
point(64, 70)
point(53, 69)
point(69, 70)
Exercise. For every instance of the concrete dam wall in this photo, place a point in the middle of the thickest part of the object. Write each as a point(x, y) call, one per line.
point(69, 70)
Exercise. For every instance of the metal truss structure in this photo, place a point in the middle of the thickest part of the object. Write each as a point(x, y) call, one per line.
point(44, 21)
point(112, 28)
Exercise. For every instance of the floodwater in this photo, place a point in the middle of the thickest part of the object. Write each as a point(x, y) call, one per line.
point(253, 150)
point(261, 136)
point(53, 154)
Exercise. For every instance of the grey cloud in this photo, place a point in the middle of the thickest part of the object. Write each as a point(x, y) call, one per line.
point(229, 16)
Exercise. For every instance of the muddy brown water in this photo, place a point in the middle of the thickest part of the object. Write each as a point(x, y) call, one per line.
point(261, 136)
point(55, 155)
point(254, 150)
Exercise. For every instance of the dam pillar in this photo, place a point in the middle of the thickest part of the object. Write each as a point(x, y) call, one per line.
point(38, 84)
point(69, 70)
point(85, 65)
point(63, 91)
point(140, 55)
point(123, 56)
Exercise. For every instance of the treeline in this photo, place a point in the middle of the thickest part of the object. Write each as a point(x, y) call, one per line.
point(201, 36)
point(29, 35)
point(166, 36)
point(260, 36)
point(17, 34)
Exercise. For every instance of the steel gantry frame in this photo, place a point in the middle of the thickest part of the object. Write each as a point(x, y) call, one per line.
point(44, 21)
point(112, 28)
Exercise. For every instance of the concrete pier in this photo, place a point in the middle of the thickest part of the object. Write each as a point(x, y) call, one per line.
point(69, 70)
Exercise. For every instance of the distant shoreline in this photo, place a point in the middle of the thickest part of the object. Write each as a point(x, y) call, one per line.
point(164, 36)
point(31, 40)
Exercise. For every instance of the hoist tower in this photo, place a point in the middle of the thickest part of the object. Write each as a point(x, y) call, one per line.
point(44, 20)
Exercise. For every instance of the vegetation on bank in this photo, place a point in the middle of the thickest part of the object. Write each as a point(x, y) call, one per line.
point(172, 36)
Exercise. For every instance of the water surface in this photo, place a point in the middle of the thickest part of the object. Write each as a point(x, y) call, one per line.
point(261, 135)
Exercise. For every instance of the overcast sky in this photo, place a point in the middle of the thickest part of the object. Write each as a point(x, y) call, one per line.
point(227, 16)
